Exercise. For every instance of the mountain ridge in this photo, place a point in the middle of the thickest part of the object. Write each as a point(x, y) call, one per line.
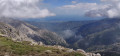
point(27, 32)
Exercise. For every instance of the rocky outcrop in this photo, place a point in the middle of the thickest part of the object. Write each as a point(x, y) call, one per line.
point(83, 52)
point(70, 50)
point(87, 54)
point(92, 54)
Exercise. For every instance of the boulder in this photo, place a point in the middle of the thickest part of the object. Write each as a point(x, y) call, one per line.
point(70, 50)
point(80, 50)
point(92, 54)
point(48, 51)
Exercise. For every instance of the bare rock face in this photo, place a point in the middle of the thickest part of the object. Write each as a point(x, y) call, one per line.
point(22, 31)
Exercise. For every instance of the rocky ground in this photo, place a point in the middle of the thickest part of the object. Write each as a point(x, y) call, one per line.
point(9, 47)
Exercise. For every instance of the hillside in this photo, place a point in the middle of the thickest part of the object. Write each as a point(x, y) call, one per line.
point(101, 35)
point(12, 48)
point(22, 31)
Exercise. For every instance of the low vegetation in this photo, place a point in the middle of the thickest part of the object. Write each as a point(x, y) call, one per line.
point(12, 48)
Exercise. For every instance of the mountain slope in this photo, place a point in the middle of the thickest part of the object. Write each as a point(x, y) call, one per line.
point(26, 32)
point(101, 35)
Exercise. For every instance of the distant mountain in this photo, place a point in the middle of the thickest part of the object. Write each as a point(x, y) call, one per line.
point(103, 35)
point(64, 29)
point(22, 31)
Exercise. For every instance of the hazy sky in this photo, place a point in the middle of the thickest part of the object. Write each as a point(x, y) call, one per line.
point(85, 8)
point(64, 7)
point(57, 3)
point(69, 9)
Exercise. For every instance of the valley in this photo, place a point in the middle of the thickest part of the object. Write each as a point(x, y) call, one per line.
point(92, 36)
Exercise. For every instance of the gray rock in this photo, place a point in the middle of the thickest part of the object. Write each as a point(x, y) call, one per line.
point(80, 50)
point(48, 51)
point(70, 50)
point(92, 54)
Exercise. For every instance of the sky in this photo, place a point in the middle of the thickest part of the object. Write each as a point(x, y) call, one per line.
point(56, 6)
point(60, 9)
point(67, 2)
point(67, 14)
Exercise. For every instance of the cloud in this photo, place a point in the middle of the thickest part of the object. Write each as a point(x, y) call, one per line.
point(74, 2)
point(23, 9)
point(110, 0)
point(79, 6)
point(99, 11)
point(76, 9)
point(111, 9)
point(68, 33)
point(105, 8)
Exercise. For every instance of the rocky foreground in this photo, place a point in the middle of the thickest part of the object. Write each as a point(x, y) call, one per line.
point(9, 47)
